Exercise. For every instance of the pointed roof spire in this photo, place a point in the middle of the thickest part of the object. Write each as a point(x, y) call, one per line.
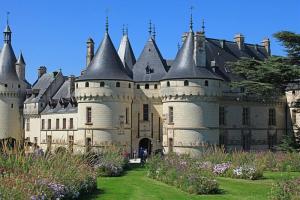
point(150, 28)
point(178, 46)
point(123, 30)
point(126, 54)
point(20, 60)
point(106, 64)
point(191, 19)
point(203, 26)
point(126, 30)
point(154, 32)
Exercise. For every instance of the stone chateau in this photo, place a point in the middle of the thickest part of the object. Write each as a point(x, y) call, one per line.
point(181, 105)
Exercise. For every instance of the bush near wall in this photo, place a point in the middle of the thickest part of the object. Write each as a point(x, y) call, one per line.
point(56, 176)
point(286, 190)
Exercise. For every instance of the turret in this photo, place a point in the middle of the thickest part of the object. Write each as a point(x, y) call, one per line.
point(20, 67)
point(89, 51)
point(267, 44)
point(7, 35)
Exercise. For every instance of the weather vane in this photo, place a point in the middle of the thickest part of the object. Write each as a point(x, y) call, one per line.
point(7, 17)
point(191, 20)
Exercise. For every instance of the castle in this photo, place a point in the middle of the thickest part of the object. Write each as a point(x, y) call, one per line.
point(181, 105)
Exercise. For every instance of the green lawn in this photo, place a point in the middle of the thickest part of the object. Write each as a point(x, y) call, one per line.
point(136, 186)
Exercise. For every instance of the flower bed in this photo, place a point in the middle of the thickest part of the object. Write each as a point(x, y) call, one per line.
point(58, 176)
point(289, 190)
point(110, 162)
point(182, 172)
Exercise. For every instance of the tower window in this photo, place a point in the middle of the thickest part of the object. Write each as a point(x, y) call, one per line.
point(57, 124)
point(76, 85)
point(117, 84)
point(64, 123)
point(126, 115)
point(137, 86)
point(19, 86)
point(147, 86)
point(49, 124)
point(88, 115)
point(129, 85)
point(87, 84)
point(186, 83)
point(12, 105)
point(71, 123)
point(246, 116)
point(168, 84)
point(206, 83)
point(221, 116)
point(171, 117)
point(145, 112)
point(102, 84)
point(27, 124)
point(272, 117)
point(5, 85)
point(155, 86)
point(43, 124)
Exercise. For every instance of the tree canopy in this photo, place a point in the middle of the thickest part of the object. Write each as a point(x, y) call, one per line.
point(270, 76)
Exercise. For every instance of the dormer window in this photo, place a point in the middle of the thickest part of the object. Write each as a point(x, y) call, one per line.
point(149, 70)
point(87, 84)
point(168, 84)
point(117, 84)
point(186, 83)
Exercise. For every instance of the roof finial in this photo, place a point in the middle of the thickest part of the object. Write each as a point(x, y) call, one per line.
point(126, 31)
point(106, 24)
point(203, 26)
point(150, 28)
point(178, 46)
point(123, 30)
point(154, 32)
point(191, 19)
point(7, 17)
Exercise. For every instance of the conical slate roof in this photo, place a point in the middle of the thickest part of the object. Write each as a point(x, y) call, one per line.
point(7, 64)
point(150, 66)
point(184, 66)
point(106, 64)
point(126, 54)
point(21, 60)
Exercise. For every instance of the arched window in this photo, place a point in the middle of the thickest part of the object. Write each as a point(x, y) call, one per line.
point(5, 85)
point(87, 84)
point(129, 85)
point(19, 86)
point(293, 92)
point(186, 83)
point(206, 83)
point(155, 86)
point(117, 84)
point(168, 84)
point(147, 86)
point(102, 84)
point(76, 85)
point(137, 86)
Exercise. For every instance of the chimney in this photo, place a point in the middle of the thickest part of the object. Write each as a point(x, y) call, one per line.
point(199, 49)
point(41, 71)
point(90, 51)
point(240, 40)
point(222, 44)
point(267, 44)
point(72, 83)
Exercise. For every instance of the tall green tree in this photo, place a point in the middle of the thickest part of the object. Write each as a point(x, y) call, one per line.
point(270, 76)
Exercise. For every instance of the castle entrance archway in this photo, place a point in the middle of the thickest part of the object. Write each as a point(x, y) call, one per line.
point(145, 143)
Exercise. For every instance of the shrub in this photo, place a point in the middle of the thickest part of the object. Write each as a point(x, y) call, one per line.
point(110, 162)
point(182, 172)
point(286, 190)
point(56, 176)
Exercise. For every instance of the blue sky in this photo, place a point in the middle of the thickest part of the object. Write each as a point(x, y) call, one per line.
point(54, 32)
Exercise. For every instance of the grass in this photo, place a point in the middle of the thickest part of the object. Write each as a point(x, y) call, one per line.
point(136, 186)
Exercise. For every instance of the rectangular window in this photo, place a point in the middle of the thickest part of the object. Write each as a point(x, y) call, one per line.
point(43, 124)
point(145, 112)
point(27, 124)
point(221, 116)
point(57, 124)
point(171, 120)
point(246, 116)
point(88, 115)
point(49, 124)
point(272, 117)
point(64, 123)
point(71, 123)
point(126, 116)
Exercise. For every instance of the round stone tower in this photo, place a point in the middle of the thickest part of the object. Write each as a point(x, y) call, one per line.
point(12, 92)
point(190, 102)
point(104, 94)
